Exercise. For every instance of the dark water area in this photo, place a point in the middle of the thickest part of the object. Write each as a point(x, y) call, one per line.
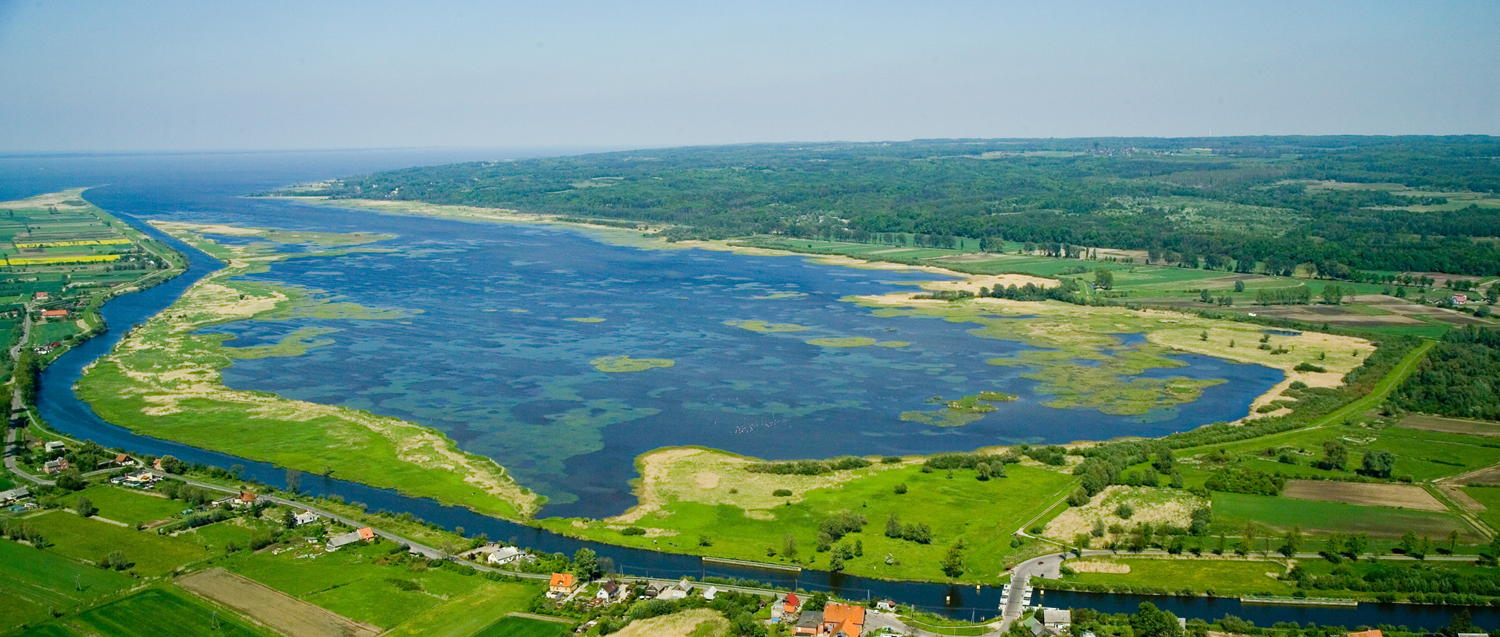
point(206, 188)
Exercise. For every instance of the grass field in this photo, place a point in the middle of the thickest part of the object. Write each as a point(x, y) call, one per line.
point(481, 610)
point(349, 583)
point(1490, 498)
point(523, 627)
point(1451, 425)
point(1223, 577)
point(1232, 511)
point(128, 506)
point(90, 540)
point(983, 514)
point(155, 612)
point(33, 583)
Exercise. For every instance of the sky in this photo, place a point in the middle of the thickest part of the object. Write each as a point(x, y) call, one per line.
point(152, 75)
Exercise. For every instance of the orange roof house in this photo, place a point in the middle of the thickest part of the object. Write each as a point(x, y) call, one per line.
point(54, 313)
point(247, 497)
point(367, 534)
point(843, 619)
point(41, 296)
point(792, 603)
point(1367, 633)
point(562, 583)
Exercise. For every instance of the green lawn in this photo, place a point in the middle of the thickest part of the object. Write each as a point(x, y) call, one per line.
point(1232, 511)
point(983, 514)
point(155, 612)
point(349, 583)
point(34, 582)
point(524, 627)
point(90, 540)
point(1223, 577)
point(128, 506)
point(466, 615)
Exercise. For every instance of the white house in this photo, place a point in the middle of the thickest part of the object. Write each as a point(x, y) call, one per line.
point(14, 495)
point(55, 446)
point(1059, 619)
point(505, 555)
point(306, 517)
point(711, 593)
point(361, 535)
point(679, 590)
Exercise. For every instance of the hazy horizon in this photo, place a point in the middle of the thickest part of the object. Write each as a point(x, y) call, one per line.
point(189, 77)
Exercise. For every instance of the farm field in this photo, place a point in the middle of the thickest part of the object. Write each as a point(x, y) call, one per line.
point(1225, 577)
point(350, 583)
point(286, 614)
point(1401, 496)
point(90, 540)
point(33, 582)
point(1232, 511)
point(1451, 425)
point(700, 622)
point(154, 612)
point(1489, 497)
point(983, 514)
point(525, 627)
point(126, 505)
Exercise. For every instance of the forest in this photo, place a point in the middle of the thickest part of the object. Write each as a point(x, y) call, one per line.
point(1344, 206)
point(1460, 377)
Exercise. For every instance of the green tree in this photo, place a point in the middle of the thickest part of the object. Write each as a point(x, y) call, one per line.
point(983, 469)
point(1378, 463)
point(789, 546)
point(1204, 296)
point(585, 563)
point(84, 507)
point(1293, 542)
point(1239, 286)
point(1149, 621)
point(289, 518)
point(1104, 279)
point(1332, 294)
point(1335, 454)
point(953, 561)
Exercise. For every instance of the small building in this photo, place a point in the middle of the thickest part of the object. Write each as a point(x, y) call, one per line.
point(792, 605)
point(562, 584)
point(505, 555)
point(305, 517)
point(55, 466)
point(843, 619)
point(810, 623)
point(124, 460)
point(887, 605)
point(55, 446)
point(609, 592)
point(361, 535)
point(244, 499)
point(711, 593)
point(1057, 619)
point(1034, 625)
point(679, 590)
point(41, 296)
point(1366, 633)
point(14, 495)
point(52, 314)
point(1460, 298)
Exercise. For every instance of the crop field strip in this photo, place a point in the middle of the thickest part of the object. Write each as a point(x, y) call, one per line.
point(284, 613)
point(154, 612)
point(1401, 496)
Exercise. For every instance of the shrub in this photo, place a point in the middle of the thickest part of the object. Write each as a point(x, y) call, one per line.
point(1308, 367)
point(901, 488)
point(632, 530)
point(782, 493)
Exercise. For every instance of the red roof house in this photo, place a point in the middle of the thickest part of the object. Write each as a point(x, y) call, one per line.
point(367, 534)
point(54, 314)
point(843, 619)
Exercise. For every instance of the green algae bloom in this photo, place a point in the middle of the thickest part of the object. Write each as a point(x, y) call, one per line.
point(766, 328)
point(585, 320)
point(617, 364)
point(851, 341)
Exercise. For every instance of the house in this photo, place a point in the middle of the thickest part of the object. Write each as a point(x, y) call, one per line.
point(14, 495)
point(156, 464)
point(1034, 625)
point(792, 605)
point(55, 466)
point(843, 619)
point(46, 314)
point(1460, 299)
point(653, 590)
point(887, 605)
point(505, 555)
point(139, 479)
point(41, 296)
point(55, 446)
point(711, 593)
point(562, 584)
point(608, 592)
point(305, 517)
point(362, 535)
point(245, 498)
point(810, 623)
point(679, 590)
point(1367, 633)
point(124, 460)
point(1057, 619)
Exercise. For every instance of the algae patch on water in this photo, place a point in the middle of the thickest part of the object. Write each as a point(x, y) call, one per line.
point(617, 364)
point(295, 344)
point(959, 412)
point(850, 341)
point(767, 328)
point(585, 320)
point(892, 344)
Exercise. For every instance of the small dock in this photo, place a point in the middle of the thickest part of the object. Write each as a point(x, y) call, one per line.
point(749, 564)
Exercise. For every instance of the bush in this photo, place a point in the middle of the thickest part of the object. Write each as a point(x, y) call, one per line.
point(1241, 479)
point(782, 493)
point(1308, 367)
point(901, 488)
point(632, 530)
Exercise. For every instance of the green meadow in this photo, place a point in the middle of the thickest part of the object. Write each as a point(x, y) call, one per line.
point(1223, 577)
point(983, 514)
point(33, 583)
point(523, 627)
point(154, 612)
point(90, 540)
point(127, 505)
point(1234, 511)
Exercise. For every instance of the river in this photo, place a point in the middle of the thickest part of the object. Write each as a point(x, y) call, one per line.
point(60, 407)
